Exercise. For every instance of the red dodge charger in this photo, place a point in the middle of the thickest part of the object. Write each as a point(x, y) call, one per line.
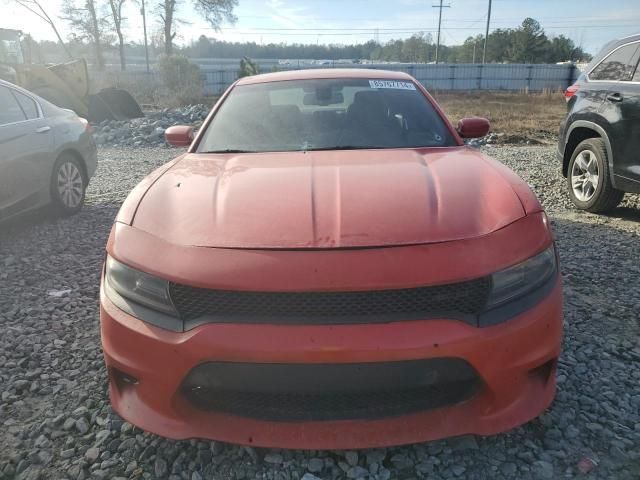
point(329, 266)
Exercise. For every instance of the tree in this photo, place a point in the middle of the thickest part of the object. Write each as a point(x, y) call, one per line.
point(91, 22)
point(214, 11)
point(529, 43)
point(36, 8)
point(116, 15)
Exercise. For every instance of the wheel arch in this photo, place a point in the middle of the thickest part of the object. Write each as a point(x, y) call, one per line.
point(582, 130)
point(74, 153)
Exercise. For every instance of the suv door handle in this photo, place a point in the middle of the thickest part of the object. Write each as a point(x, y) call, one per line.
point(614, 97)
point(43, 129)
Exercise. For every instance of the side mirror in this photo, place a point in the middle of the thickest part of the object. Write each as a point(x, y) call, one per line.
point(179, 135)
point(473, 127)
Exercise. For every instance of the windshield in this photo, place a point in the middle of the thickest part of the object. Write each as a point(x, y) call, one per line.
point(325, 115)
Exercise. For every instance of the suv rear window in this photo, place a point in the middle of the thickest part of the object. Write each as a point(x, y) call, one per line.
point(325, 114)
point(619, 65)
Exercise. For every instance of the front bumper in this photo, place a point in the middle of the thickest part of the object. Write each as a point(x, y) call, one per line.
point(515, 361)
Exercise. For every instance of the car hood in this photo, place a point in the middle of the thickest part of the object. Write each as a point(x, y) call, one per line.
point(329, 199)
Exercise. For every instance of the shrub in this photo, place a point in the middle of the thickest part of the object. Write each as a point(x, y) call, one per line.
point(247, 68)
point(181, 78)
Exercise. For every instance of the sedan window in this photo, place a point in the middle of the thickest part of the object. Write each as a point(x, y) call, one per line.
point(10, 110)
point(325, 114)
point(618, 66)
point(28, 106)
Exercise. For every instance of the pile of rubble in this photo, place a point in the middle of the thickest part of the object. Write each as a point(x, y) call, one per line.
point(148, 130)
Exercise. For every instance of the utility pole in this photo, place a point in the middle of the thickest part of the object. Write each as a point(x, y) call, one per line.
point(144, 28)
point(486, 35)
point(441, 6)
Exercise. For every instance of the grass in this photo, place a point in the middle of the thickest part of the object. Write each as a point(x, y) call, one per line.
point(516, 117)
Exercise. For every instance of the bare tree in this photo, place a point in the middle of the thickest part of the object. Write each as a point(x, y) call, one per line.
point(214, 11)
point(36, 8)
point(89, 22)
point(116, 14)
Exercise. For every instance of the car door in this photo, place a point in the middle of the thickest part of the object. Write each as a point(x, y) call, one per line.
point(630, 118)
point(621, 108)
point(25, 151)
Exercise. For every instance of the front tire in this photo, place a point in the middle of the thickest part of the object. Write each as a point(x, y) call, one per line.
point(68, 185)
point(589, 178)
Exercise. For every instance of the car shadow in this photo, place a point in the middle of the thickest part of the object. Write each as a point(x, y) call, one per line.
point(45, 217)
point(625, 213)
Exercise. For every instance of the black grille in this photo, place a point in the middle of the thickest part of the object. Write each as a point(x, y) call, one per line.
point(458, 300)
point(347, 406)
point(323, 392)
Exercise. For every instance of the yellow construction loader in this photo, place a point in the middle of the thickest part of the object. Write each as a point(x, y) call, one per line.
point(65, 84)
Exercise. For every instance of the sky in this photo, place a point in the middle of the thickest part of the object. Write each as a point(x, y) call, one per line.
point(589, 23)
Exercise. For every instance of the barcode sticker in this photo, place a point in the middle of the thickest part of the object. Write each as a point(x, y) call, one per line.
point(392, 84)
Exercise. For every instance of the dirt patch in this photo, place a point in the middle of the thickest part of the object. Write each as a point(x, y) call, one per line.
point(517, 118)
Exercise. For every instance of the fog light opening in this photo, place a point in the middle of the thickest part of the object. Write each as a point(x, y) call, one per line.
point(123, 380)
point(545, 371)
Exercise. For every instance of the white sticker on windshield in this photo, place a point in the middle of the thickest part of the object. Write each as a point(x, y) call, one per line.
point(392, 84)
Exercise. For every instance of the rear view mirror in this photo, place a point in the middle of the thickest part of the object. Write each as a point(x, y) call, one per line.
point(321, 100)
point(473, 127)
point(179, 135)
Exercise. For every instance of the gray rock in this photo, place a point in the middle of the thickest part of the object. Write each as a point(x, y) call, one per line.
point(543, 470)
point(82, 426)
point(508, 469)
point(315, 465)
point(68, 453)
point(309, 476)
point(351, 457)
point(92, 454)
point(357, 472)
point(458, 470)
point(160, 467)
point(274, 458)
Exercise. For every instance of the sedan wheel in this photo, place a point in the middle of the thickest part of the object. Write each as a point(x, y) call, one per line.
point(584, 175)
point(68, 185)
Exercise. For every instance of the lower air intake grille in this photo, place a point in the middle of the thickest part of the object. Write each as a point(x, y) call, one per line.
point(324, 392)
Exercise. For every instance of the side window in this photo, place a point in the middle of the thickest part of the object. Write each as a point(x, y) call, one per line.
point(617, 66)
point(10, 111)
point(28, 106)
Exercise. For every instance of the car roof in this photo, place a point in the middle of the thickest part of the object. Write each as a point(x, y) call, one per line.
point(324, 73)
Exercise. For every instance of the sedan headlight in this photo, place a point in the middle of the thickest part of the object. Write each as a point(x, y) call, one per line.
point(523, 278)
point(139, 287)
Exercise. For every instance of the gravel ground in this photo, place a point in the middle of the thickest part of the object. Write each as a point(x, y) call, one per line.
point(56, 421)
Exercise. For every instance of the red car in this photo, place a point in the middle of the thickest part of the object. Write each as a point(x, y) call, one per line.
point(327, 267)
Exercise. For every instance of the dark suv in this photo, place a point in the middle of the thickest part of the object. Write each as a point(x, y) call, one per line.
point(599, 143)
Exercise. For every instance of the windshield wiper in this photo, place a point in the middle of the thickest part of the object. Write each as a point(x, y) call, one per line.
point(338, 147)
point(230, 150)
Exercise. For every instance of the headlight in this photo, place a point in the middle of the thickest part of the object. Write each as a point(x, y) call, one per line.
point(523, 278)
point(139, 287)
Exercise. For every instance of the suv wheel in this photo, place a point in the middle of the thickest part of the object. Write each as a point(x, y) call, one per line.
point(589, 178)
point(68, 185)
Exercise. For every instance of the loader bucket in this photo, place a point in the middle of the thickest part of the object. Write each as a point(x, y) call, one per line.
point(113, 104)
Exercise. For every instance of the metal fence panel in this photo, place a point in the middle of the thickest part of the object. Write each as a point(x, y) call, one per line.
point(510, 77)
